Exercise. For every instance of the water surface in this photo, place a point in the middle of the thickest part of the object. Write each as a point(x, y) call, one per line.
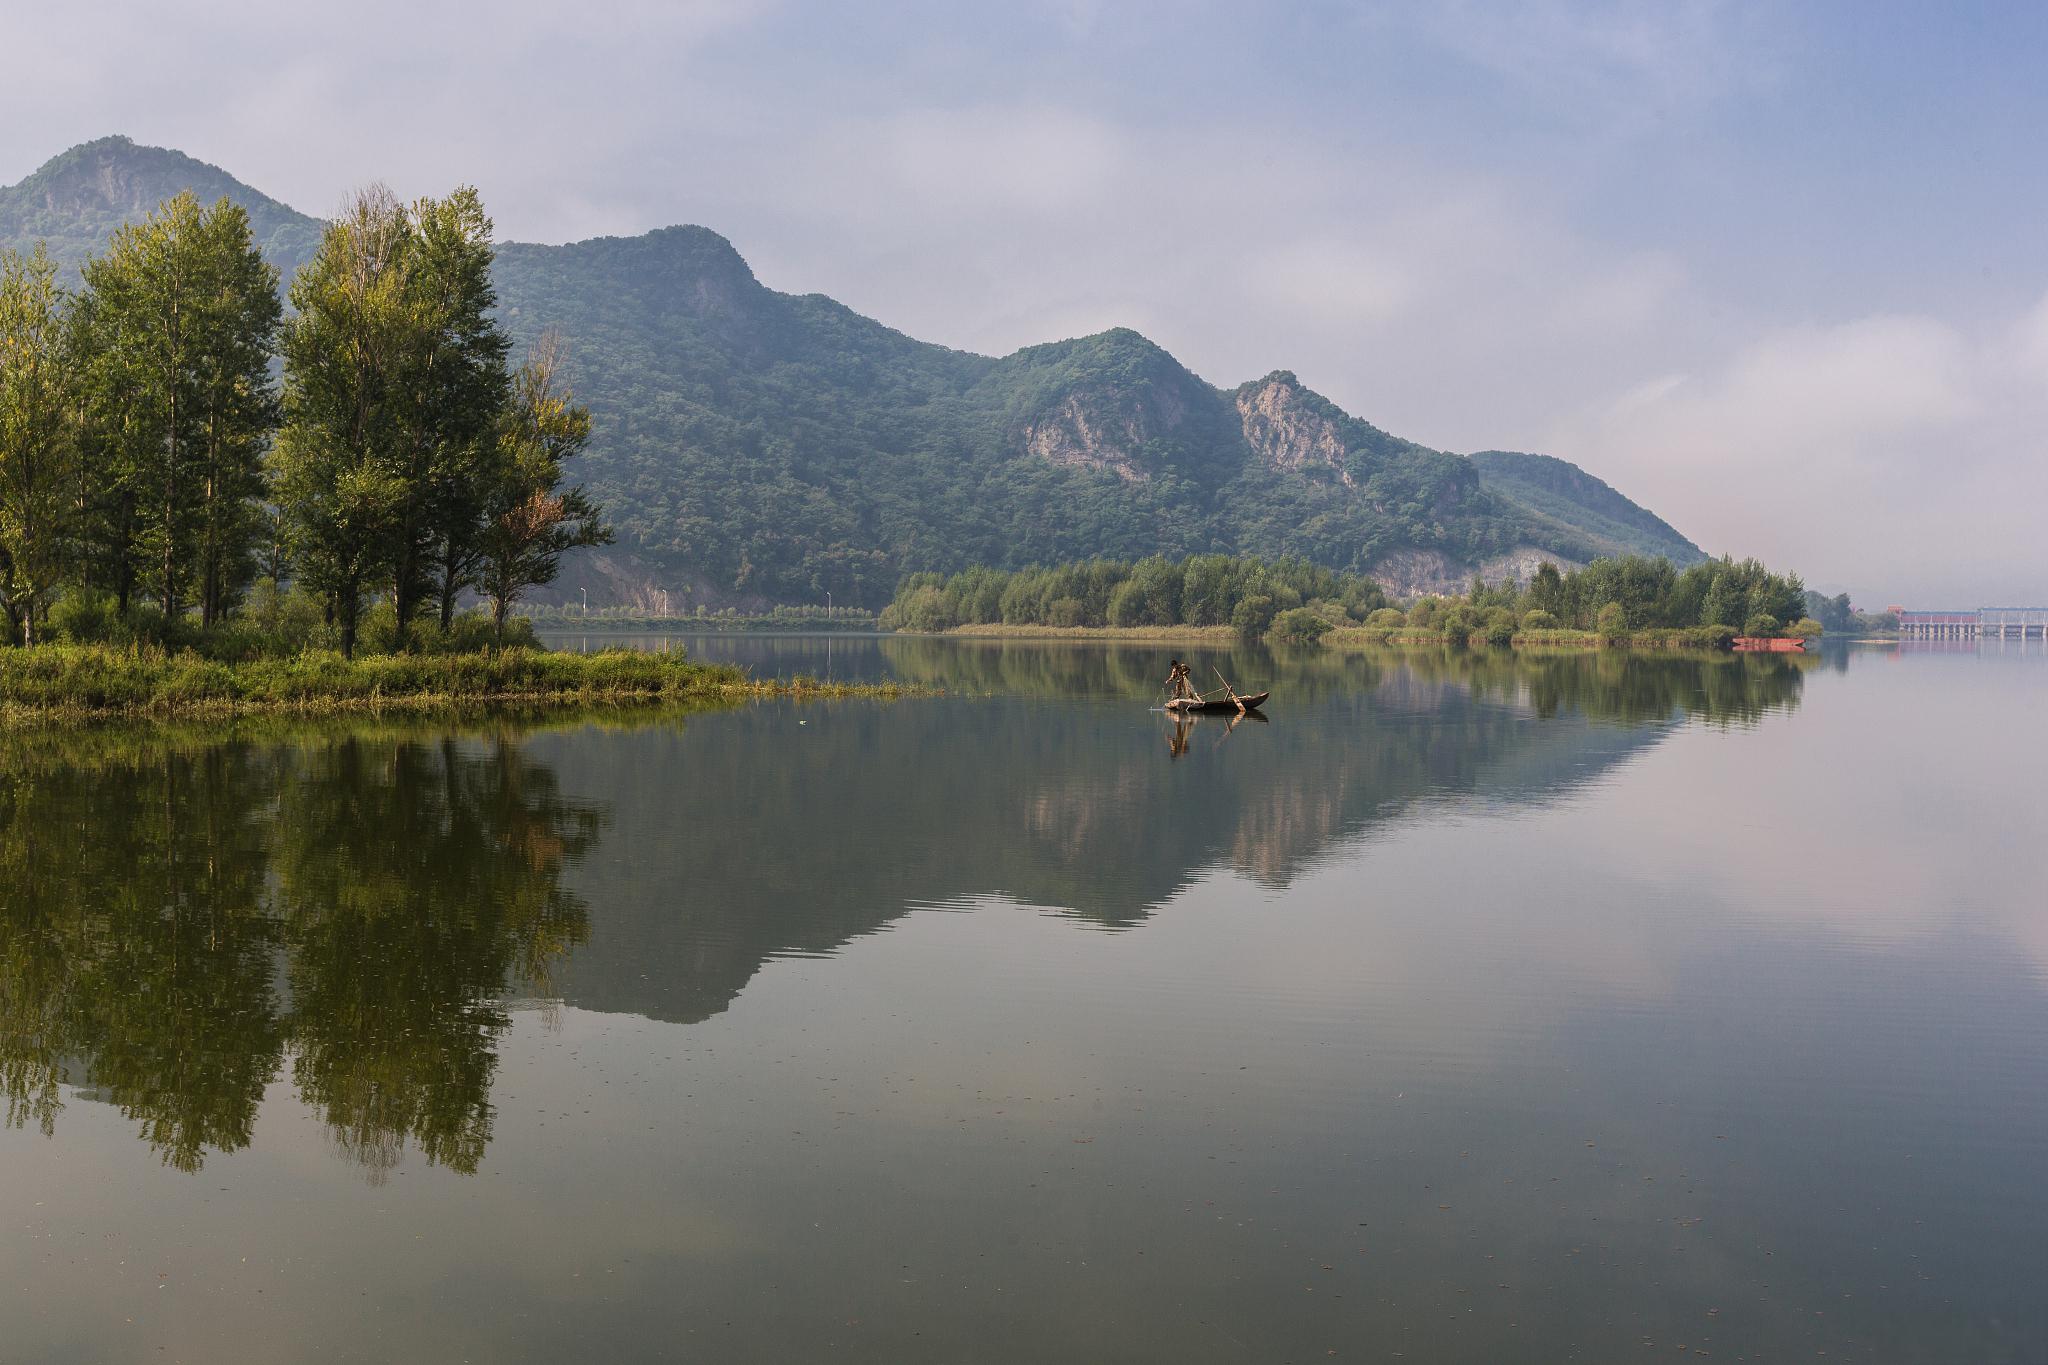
point(1474, 1007)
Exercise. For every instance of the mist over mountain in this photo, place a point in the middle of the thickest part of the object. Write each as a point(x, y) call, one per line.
point(754, 447)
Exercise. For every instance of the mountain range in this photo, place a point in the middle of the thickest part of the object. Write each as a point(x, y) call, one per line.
point(755, 447)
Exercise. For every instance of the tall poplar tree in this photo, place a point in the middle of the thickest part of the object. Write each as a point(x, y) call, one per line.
point(345, 351)
point(181, 318)
point(458, 395)
point(38, 449)
point(394, 388)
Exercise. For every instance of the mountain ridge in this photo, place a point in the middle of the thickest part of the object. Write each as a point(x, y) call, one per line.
point(755, 446)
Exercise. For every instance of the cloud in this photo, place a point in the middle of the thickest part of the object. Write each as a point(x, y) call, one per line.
point(961, 165)
point(1599, 55)
point(534, 102)
point(1872, 450)
point(1334, 279)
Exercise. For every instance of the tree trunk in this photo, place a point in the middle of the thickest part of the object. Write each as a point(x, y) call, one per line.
point(402, 607)
point(348, 609)
point(170, 507)
point(209, 554)
point(449, 591)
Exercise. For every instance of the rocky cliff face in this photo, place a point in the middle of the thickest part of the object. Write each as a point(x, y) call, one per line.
point(1432, 573)
point(1099, 432)
point(1287, 430)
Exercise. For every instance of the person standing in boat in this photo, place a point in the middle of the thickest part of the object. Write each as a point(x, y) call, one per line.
point(1177, 684)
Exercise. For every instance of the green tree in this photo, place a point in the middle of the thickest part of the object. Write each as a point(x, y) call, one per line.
point(345, 355)
point(182, 317)
point(456, 397)
point(1253, 615)
point(38, 448)
point(530, 520)
point(1299, 626)
point(1546, 590)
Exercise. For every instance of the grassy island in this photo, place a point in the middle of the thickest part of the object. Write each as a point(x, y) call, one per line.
point(57, 682)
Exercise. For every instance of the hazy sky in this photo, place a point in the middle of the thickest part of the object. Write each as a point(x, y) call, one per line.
point(1779, 272)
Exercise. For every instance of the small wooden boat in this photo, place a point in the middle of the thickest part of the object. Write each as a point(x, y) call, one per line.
point(1769, 644)
point(1215, 706)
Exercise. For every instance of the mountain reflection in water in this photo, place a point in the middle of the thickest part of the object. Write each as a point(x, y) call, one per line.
point(189, 918)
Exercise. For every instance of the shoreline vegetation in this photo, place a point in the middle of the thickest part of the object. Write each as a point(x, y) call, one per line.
point(92, 682)
point(615, 621)
point(1626, 602)
point(1175, 635)
point(1714, 638)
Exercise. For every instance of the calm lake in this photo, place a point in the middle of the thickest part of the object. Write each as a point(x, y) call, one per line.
point(1473, 1008)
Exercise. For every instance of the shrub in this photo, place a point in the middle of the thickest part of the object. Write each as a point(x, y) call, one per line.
point(1806, 628)
point(1127, 604)
point(1611, 624)
point(1330, 610)
point(1389, 618)
point(1499, 626)
point(1254, 615)
point(924, 609)
point(1762, 624)
point(1299, 626)
point(85, 616)
point(1538, 619)
point(1065, 611)
point(1459, 621)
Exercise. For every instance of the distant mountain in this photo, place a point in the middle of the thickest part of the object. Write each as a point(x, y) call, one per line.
point(755, 446)
point(77, 199)
point(1559, 489)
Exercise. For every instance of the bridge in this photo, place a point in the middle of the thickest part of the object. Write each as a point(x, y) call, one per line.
point(1995, 622)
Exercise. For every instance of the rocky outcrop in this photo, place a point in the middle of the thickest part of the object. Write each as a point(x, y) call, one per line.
point(1100, 432)
point(1432, 573)
point(1288, 431)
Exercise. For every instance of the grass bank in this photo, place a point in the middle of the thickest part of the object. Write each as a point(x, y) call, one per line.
point(1164, 635)
point(89, 681)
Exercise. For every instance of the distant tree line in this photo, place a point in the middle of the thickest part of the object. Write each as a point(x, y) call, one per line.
point(170, 435)
point(1838, 617)
point(1201, 590)
point(1294, 601)
point(1713, 601)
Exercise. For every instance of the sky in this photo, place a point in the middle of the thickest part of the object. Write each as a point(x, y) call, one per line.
point(1776, 271)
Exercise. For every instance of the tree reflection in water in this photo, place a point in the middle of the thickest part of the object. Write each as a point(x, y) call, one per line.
point(184, 923)
point(180, 919)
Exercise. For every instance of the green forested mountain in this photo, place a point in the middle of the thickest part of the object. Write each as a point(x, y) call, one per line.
point(77, 199)
point(753, 446)
point(1568, 494)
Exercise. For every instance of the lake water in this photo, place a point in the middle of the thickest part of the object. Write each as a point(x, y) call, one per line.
point(1473, 1008)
